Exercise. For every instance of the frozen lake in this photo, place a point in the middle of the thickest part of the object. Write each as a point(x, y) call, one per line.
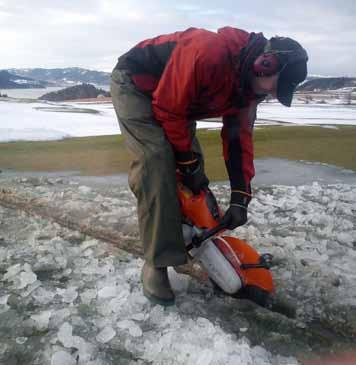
point(36, 93)
point(35, 120)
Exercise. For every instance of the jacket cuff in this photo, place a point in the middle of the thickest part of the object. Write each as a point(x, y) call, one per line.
point(240, 198)
point(184, 156)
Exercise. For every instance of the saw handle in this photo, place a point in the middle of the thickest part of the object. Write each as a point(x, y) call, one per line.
point(198, 240)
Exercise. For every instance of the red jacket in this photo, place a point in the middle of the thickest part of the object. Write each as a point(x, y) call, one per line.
point(192, 75)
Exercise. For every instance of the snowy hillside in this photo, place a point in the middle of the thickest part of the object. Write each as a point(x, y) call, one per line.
point(13, 81)
point(64, 76)
point(328, 83)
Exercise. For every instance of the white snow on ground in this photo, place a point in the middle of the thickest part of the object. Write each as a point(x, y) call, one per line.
point(66, 297)
point(31, 134)
point(308, 114)
point(22, 121)
point(25, 120)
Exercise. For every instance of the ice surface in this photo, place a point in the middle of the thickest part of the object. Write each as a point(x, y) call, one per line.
point(95, 299)
point(27, 121)
point(195, 342)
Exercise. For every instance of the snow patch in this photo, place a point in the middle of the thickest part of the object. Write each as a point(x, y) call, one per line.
point(31, 134)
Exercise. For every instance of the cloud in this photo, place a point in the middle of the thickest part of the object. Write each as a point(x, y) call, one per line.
point(57, 17)
point(93, 33)
point(4, 15)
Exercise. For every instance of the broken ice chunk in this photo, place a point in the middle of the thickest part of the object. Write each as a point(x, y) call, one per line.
point(88, 243)
point(61, 261)
point(43, 296)
point(179, 282)
point(157, 315)
point(68, 295)
point(138, 316)
point(12, 271)
point(107, 292)
point(3, 303)
point(30, 288)
point(85, 350)
point(58, 316)
point(131, 326)
point(65, 334)
point(205, 357)
point(42, 319)
point(84, 189)
point(62, 358)
point(25, 278)
point(106, 334)
point(88, 295)
point(21, 340)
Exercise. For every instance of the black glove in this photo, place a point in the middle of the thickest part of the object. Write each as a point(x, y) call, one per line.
point(236, 215)
point(193, 174)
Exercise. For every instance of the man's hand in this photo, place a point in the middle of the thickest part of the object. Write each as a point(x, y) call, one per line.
point(235, 216)
point(193, 175)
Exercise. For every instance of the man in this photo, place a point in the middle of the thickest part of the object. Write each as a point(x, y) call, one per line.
point(159, 89)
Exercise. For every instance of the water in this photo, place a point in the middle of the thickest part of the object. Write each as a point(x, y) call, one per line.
point(278, 171)
point(269, 171)
point(36, 93)
point(29, 93)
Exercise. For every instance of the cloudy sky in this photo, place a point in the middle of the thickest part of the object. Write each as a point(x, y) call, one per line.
point(92, 34)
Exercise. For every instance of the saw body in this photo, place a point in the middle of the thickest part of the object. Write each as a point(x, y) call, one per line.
point(232, 264)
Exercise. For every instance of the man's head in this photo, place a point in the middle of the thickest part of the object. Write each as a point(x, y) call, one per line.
point(279, 69)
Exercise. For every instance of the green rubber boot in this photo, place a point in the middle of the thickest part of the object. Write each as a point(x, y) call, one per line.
point(156, 286)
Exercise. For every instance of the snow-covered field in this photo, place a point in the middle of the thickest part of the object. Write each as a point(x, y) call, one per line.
point(308, 114)
point(66, 298)
point(47, 121)
point(43, 121)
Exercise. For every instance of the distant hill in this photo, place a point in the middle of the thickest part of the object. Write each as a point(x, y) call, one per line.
point(328, 83)
point(11, 81)
point(64, 76)
point(83, 91)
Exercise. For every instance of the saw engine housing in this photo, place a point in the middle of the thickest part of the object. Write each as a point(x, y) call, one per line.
point(232, 264)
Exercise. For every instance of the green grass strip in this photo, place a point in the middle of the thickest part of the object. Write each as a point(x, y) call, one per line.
point(105, 155)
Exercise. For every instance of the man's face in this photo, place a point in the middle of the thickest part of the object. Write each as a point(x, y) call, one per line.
point(266, 85)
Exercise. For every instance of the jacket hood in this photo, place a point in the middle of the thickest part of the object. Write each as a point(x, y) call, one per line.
point(235, 39)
